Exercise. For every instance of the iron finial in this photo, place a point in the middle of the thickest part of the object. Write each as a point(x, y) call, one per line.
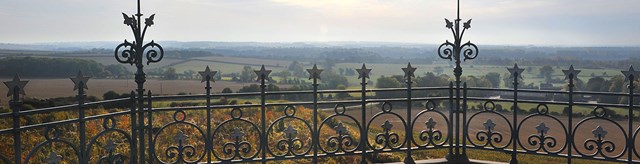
point(363, 72)
point(631, 72)
point(314, 73)
point(80, 81)
point(262, 73)
point(16, 83)
point(409, 71)
point(207, 74)
point(515, 72)
point(573, 73)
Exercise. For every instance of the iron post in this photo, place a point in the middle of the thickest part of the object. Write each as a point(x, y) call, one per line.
point(408, 75)
point(263, 74)
point(364, 75)
point(132, 53)
point(80, 82)
point(570, 74)
point(315, 75)
point(456, 51)
point(16, 88)
point(516, 74)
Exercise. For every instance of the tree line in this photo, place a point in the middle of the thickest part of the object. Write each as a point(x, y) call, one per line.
point(44, 67)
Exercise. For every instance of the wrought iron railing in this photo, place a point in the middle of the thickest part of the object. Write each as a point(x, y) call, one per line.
point(274, 130)
point(133, 130)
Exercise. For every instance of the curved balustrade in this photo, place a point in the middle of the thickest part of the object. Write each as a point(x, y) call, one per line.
point(268, 129)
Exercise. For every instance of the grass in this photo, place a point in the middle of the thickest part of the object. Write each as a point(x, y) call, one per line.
point(471, 70)
point(217, 66)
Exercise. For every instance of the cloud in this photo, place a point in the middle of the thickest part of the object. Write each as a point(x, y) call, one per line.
point(495, 21)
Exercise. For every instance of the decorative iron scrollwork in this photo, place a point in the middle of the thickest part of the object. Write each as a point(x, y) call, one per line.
point(291, 144)
point(183, 152)
point(387, 139)
point(343, 141)
point(239, 147)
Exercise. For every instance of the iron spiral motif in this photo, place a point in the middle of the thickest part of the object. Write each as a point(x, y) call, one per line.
point(183, 152)
point(111, 158)
point(109, 127)
point(431, 136)
point(52, 135)
point(599, 145)
point(489, 136)
point(388, 139)
point(291, 144)
point(343, 140)
point(131, 52)
point(452, 51)
point(239, 147)
point(542, 140)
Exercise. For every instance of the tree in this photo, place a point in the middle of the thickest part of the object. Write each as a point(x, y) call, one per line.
point(342, 95)
point(250, 88)
point(189, 74)
point(331, 80)
point(284, 74)
point(117, 70)
point(227, 90)
point(297, 69)
point(598, 84)
point(110, 95)
point(329, 63)
point(217, 76)
point(388, 82)
point(170, 74)
point(546, 72)
point(247, 74)
point(493, 78)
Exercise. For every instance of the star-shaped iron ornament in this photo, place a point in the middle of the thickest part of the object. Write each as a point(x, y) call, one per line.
point(237, 134)
point(515, 70)
point(387, 125)
point(409, 72)
point(431, 124)
point(180, 137)
point(207, 73)
point(489, 125)
point(80, 81)
point(363, 72)
point(110, 146)
point(542, 128)
point(571, 72)
point(340, 129)
point(631, 71)
point(53, 158)
point(262, 73)
point(599, 132)
point(314, 73)
point(16, 83)
point(290, 132)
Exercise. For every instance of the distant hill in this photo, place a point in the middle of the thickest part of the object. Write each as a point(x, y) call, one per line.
point(340, 50)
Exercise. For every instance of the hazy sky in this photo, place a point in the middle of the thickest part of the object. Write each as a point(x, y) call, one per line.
point(513, 22)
